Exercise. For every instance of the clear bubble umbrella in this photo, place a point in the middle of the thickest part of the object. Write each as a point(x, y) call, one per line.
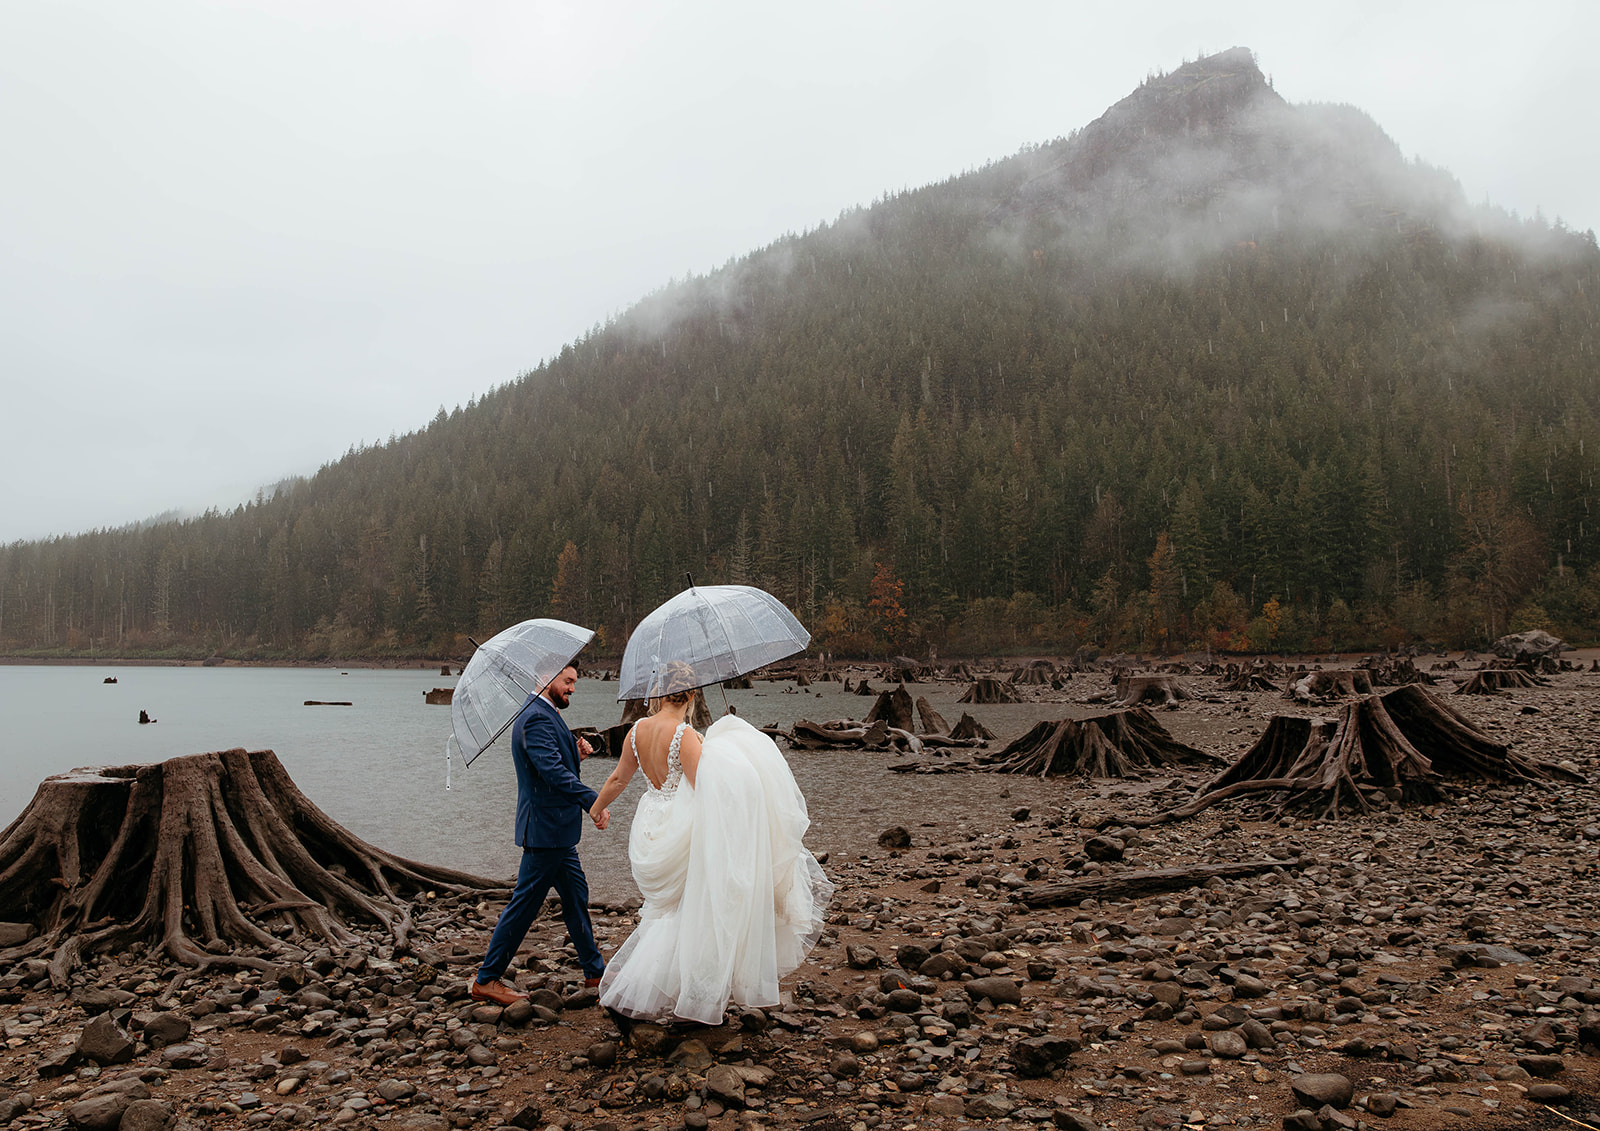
point(704, 635)
point(501, 676)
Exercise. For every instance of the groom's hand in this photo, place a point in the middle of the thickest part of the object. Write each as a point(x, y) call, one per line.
point(602, 819)
point(584, 749)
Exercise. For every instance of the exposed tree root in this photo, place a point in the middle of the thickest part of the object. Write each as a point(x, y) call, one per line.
point(1398, 747)
point(201, 854)
point(988, 690)
point(1104, 746)
point(1492, 681)
point(969, 727)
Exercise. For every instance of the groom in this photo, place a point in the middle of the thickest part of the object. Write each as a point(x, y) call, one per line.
point(551, 803)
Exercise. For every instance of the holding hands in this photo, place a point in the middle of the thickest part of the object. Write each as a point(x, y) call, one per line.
point(601, 817)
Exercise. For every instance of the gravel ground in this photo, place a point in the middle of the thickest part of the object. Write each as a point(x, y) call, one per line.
point(1411, 968)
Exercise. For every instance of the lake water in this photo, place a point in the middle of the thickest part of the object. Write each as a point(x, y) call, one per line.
point(378, 766)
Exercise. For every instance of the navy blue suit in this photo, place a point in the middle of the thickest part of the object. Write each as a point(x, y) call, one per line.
point(551, 805)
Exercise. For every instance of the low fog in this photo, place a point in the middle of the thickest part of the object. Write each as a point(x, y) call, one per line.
point(240, 239)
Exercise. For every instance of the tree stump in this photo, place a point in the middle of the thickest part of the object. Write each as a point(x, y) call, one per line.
point(1492, 681)
point(969, 727)
point(1237, 677)
point(1321, 686)
point(1133, 690)
point(932, 721)
point(987, 690)
point(1038, 672)
point(1398, 747)
point(894, 708)
point(1104, 746)
point(1396, 673)
point(199, 855)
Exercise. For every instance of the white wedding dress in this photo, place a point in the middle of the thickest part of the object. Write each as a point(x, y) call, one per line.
point(732, 900)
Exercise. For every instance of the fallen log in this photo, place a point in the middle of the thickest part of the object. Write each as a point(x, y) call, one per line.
point(1152, 881)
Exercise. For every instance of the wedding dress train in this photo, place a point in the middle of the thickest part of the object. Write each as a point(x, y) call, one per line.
point(733, 900)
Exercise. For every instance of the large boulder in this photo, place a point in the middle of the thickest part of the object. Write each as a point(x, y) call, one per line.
point(1534, 642)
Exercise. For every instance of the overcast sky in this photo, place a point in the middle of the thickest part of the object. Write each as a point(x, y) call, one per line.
point(238, 238)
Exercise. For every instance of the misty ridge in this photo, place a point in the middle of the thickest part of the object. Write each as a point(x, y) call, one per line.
point(1192, 165)
point(1213, 371)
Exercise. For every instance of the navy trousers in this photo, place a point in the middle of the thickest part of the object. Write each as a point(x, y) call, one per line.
point(541, 870)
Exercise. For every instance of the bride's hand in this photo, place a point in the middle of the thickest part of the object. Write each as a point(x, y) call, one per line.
point(601, 819)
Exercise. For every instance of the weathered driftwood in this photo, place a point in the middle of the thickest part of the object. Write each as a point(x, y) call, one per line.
point(1104, 746)
point(1397, 747)
point(1492, 681)
point(969, 727)
point(839, 735)
point(1315, 686)
point(987, 690)
point(1152, 881)
point(439, 696)
point(932, 721)
point(198, 855)
point(894, 708)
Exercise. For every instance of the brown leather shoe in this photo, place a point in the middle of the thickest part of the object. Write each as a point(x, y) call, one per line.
point(495, 991)
point(591, 983)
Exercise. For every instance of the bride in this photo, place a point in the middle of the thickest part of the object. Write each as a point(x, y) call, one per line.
point(732, 900)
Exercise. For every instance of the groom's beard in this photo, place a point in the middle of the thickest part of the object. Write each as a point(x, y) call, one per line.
point(558, 697)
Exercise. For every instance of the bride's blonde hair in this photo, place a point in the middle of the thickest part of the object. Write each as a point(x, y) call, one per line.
point(678, 675)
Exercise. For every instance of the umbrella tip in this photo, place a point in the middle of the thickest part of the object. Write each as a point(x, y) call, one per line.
point(474, 643)
point(690, 577)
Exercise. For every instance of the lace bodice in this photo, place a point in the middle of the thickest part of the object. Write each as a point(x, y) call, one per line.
point(674, 766)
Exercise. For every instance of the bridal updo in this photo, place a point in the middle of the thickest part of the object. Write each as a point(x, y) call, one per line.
point(678, 681)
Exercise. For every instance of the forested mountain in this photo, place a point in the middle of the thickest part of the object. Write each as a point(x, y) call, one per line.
point(1214, 370)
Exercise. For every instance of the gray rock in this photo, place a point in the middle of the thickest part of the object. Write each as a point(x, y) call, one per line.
point(1159, 1118)
point(1544, 1066)
point(844, 1064)
point(14, 934)
point(1104, 849)
point(529, 1117)
point(648, 1040)
point(724, 1083)
point(1302, 1120)
point(897, 837)
point(518, 1013)
point(393, 1090)
point(1068, 1120)
point(1001, 991)
point(98, 999)
point(105, 1042)
point(1257, 1035)
point(945, 962)
point(1313, 1089)
point(1382, 1104)
point(99, 1113)
point(184, 1056)
point(1246, 986)
point(166, 1029)
point(862, 957)
point(148, 1115)
point(1228, 1044)
point(693, 1055)
point(1040, 1056)
point(1548, 1093)
point(989, 1106)
point(911, 956)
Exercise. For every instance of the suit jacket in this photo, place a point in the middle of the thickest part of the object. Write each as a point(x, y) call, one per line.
point(551, 800)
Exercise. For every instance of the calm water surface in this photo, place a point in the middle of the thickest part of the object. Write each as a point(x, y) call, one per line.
point(378, 766)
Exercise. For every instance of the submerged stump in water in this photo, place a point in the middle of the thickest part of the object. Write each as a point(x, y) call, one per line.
point(198, 855)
